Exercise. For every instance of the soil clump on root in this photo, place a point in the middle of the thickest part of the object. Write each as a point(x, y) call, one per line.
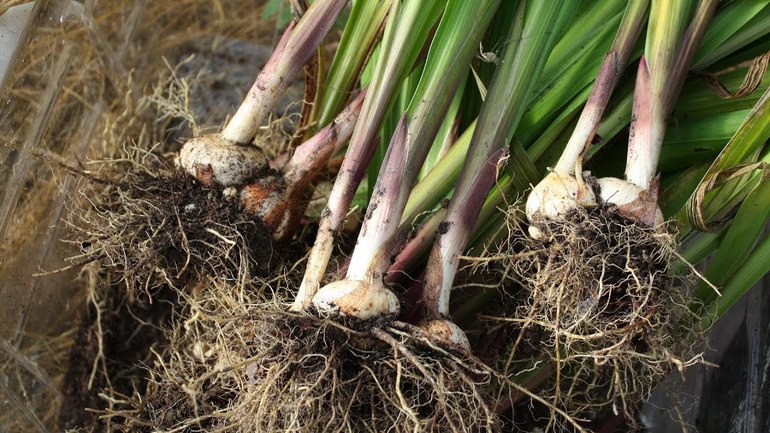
point(601, 299)
point(157, 238)
point(161, 227)
point(236, 366)
point(116, 338)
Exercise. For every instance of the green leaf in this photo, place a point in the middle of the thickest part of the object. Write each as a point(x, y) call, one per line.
point(361, 29)
point(698, 139)
point(440, 180)
point(750, 272)
point(737, 265)
point(699, 99)
point(557, 91)
point(743, 148)
point(279, 10)
point(736, 25)
point(446, 134)
point(744, 231)
point(406, 30)
point(677, 189)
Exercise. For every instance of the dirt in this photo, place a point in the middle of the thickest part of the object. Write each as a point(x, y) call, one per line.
point(169, 229)
point(165, 407)
point(596, 297)
point(320, 373)
point(130, 331)
point(643, 258)
point(155, 265)
point(134, 332)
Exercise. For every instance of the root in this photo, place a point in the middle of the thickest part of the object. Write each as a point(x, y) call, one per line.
point(601, 305)
point(167, 229)
point(240, 366)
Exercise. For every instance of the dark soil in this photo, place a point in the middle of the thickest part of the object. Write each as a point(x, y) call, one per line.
point(131, 329)
point(157, 238)
point(330, 376)
point(596, 230)
point(169, 229)
point(596, 293)
point(165, 407)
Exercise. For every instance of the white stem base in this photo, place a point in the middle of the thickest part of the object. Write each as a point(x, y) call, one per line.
point(446, 332)
point(358, 299)
point(213, 160)
point(554, 197)
point(633, 202)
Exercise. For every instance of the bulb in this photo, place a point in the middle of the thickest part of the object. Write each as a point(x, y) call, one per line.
point(269, 199)
point(214, 160)
point(554, 197)
point(359, 299)
point(447, 332)
point(632, 201)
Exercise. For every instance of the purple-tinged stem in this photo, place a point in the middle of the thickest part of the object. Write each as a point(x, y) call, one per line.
point(352, 171)
point(609, 73)
point(454, 234)
point(642, 156)
point(288, 58)
point(415, 247)
point(637, 196)
point(690, 42)
point(653, 105)
point(359, 154)
point(589, 119)
point(387, 204)
point(280, 204)
point(313, 154)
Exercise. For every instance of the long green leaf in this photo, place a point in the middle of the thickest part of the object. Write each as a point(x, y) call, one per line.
point(752, 270)
point(744, 230)
point(735, 26)
point(742, 148)
point(361, 29)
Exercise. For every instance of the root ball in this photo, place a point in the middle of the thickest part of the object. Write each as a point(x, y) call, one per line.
point(159, 226)
point(266, 370)
point(601, 301)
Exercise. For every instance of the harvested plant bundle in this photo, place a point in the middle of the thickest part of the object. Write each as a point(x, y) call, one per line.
point(213, 210)
point(603, 305)
point(344, 362)
point(602, 298)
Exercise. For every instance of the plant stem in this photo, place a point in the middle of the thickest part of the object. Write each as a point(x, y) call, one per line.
point(280, 204)
point(440, 179)
point(416, 248)
point(609, 74)
point(640, 167)
point(403, 31)
point(415, 133)
point(314, 153)
point(500, 114)
point(668, 57)
point(384, 211)
point(293, 51)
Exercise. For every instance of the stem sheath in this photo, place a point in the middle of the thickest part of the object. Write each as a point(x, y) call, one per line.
point(295, 48)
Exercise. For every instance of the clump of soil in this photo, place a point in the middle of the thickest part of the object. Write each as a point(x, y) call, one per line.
point(117, 337)
point(601, 304)
point(158, 240)
point(157, 226)
point(240, 365)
